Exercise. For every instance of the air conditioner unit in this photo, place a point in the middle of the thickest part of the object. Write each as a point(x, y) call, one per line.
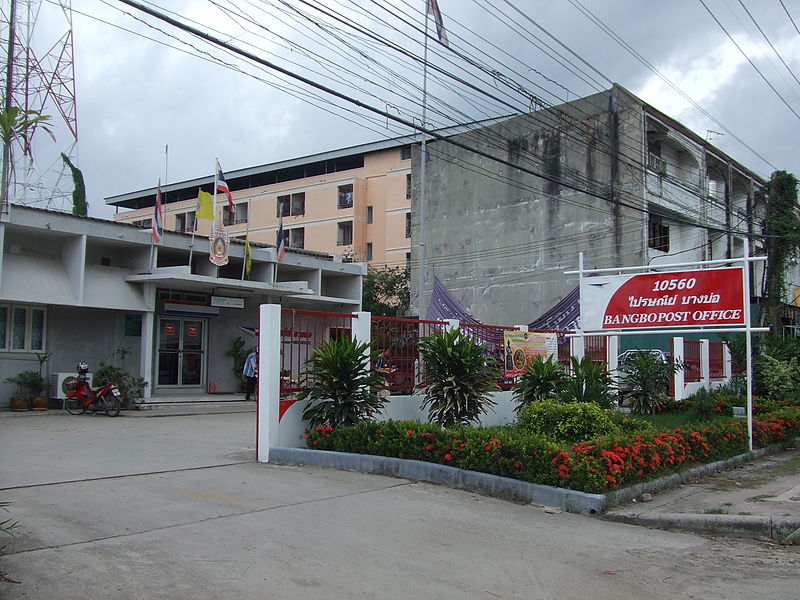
point(59, 383)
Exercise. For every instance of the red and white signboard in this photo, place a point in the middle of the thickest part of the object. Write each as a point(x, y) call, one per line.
point(668, 299)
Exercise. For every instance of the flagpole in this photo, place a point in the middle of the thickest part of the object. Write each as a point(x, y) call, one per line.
point(422, 194)
point(152, 228)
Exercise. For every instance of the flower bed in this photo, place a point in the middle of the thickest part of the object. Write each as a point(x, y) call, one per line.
point(596, 466)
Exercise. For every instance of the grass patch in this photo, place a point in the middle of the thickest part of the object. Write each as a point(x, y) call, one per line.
point(759, 498)
point(790, 466)
point(715, 511)
point(724, 485)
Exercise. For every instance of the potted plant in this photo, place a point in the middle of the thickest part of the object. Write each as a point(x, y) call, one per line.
point(29, 384)
point(40, 400)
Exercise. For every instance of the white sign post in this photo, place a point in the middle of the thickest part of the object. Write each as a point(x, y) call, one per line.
point(710, 297)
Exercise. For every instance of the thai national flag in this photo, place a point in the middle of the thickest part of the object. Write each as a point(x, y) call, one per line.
point(279, 242)
point(222, 186)
point(158, 217)
point(433, 10)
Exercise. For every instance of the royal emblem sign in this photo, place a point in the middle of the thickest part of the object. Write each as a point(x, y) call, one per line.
point(218, 243)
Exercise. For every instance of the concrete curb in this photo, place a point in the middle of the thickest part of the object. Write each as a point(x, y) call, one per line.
point(776, 528)
point(471, 481)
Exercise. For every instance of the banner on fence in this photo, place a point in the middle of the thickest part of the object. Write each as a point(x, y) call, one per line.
point(667, 299)
point(523, 346)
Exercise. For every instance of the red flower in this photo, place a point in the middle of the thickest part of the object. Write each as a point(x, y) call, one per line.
point(447, 446)
point(448, 456)
point(410, 432)
point(428, 447)
point(488, 447)
point(517, 465)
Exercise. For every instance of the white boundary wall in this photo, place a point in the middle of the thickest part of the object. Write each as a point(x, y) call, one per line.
point(289, 431)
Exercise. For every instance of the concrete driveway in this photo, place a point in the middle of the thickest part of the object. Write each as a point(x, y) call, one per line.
point(176, 508)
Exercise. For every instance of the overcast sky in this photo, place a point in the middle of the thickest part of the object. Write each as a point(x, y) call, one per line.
point(142, 85)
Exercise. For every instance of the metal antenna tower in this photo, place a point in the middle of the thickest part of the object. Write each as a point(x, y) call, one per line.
point(37, 49)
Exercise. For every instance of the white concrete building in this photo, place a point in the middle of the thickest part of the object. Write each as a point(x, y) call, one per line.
point(82, 289)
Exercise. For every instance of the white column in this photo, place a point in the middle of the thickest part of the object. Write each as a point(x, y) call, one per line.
point(727, 362)
point(677, 356)
point(146, 353)
point(361, 327)
point(705, 364)
point(269, 378)
point(612, 352)
point(576, 347)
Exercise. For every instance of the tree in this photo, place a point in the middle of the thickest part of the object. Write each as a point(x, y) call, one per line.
point(782, 231)
point(79, 205)
point(386, 291)
point(16, 124)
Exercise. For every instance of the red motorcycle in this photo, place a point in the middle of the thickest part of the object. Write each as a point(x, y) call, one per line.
point(107, 399)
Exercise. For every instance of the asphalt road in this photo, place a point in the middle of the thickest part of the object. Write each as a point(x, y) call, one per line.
point(176, 508)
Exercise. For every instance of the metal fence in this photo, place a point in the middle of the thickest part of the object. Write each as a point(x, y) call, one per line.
point(691, 360)
point(401, 338)
point(716, 360)
point(301, 332)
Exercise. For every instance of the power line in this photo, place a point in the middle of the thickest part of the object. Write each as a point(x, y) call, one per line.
point(752, 64)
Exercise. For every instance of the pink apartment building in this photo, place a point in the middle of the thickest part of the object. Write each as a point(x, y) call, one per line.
point(355, 201)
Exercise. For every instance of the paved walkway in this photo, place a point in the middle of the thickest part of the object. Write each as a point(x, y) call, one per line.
point(174, 508)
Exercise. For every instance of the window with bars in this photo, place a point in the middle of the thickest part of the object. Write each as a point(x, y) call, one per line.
point(344, 234)
point(228, 218)
point(658, 234)
point(408, 225)
point(184, 222)
point(344, 197)
point(369, 251)
point(292, 205)
point(22, 327)
point(370, 215)
point(297, 237)
point(405, 153)
point(408, 185)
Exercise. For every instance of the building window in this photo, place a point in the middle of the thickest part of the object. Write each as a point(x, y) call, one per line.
point(405, 153)
point(370, 215)
point(228, 218)
point(22, 328)
point(408, 185)
point(292, 204)
point(408, 261)
point(283, 206)
point(184, 222)
point(344, 198)
point(344, 234)
point(144, 223)
point(369, 251)
point(658, 234)
point(297, 237)
point(408, 225)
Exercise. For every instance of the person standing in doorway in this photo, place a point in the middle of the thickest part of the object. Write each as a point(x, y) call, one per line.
point(250, 371)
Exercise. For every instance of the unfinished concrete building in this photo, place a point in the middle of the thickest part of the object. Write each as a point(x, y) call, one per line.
point(509, 206)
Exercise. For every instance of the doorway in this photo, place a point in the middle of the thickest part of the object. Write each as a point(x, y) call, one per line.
point(181, 352)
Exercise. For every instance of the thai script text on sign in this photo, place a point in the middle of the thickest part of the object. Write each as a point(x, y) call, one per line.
point(670, 299)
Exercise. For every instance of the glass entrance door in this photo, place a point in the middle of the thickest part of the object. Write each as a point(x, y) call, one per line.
point(181, 352)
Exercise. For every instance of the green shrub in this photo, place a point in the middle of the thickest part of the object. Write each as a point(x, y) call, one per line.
point(460, 376)
point(130, 387)
point(776, 379)
point(541, 380)
point(341, 385)
point(566, 422)
point(646, 378)
point(588, 382)
point(29, 383)
point(631, 424)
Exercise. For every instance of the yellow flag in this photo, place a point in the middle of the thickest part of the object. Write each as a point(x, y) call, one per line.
point(205, 206)
point(248, 256)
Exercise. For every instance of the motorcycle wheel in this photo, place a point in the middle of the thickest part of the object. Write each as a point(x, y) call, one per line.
point(74, 406)
point(111, 403)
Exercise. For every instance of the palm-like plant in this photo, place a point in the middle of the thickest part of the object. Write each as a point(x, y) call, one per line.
point(342, 387)
point(645, 379)
point(541, 380)
point(588, 382)
point(460, 375)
